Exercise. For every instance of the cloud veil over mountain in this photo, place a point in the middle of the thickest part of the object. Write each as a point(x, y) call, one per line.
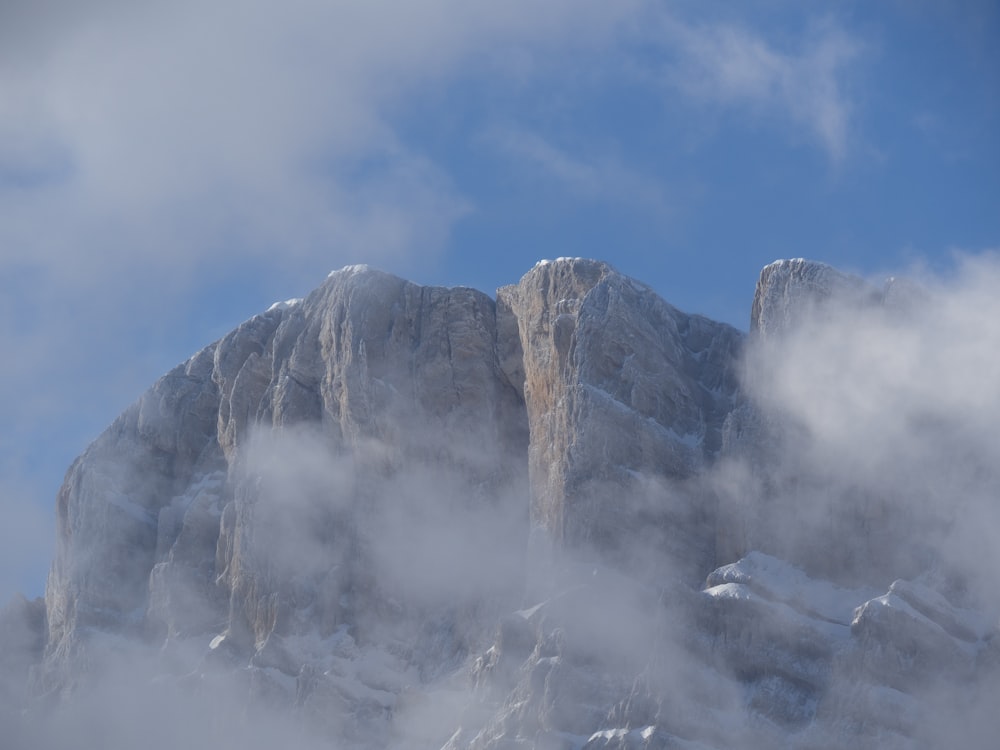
point(567, 516)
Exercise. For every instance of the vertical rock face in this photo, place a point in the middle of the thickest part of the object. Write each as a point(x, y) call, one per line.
point(108, 509)
point(624, 393)
point(365, 355)
point(789, 291)
point(249, 490)
point(388, 377)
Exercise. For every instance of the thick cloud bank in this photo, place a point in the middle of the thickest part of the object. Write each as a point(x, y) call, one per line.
point(884, 404)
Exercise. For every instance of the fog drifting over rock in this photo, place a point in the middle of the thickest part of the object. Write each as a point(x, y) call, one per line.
point(573, 517)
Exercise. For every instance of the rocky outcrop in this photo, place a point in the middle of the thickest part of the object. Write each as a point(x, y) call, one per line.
point(791, 291)
point(626, 397)
point(763, 656)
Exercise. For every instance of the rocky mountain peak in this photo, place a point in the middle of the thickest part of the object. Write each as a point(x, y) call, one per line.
point(395, 516)
point(790, 290)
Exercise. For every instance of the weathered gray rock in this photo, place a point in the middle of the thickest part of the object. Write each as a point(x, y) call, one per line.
point(765, 656)
point(790, 291)
point(626, 397)
point(184, 598)
point(108, 508)
point(912, 636)
point(557, 669)
point(296, 478)
point(833, 665)
point(390, 379)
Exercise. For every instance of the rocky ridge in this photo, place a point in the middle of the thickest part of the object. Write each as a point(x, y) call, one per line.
point(421, 517)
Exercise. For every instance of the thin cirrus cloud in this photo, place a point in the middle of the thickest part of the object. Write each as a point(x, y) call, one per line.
point(733, 66)
point(601, 178)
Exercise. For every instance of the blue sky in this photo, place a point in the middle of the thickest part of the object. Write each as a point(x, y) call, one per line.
point(167, 170)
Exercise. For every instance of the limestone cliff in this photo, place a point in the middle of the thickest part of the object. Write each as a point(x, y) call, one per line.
point(416, 517)
point(173, 524)
point(625, 397)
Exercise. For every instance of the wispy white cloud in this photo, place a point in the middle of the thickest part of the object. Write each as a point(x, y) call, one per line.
point(593, 177)
point(25, 536)
point(893, 407)
point(163, 131)
point(735, 66)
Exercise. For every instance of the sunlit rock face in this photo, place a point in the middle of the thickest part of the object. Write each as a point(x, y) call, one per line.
point(394, 516)
point(274, 485)
point(370, 412)
point(626, 397)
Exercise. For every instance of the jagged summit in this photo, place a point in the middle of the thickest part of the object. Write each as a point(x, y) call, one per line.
point(790, 289)
point(419, 517)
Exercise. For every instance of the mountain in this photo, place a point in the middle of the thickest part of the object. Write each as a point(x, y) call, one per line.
point(571, 516)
